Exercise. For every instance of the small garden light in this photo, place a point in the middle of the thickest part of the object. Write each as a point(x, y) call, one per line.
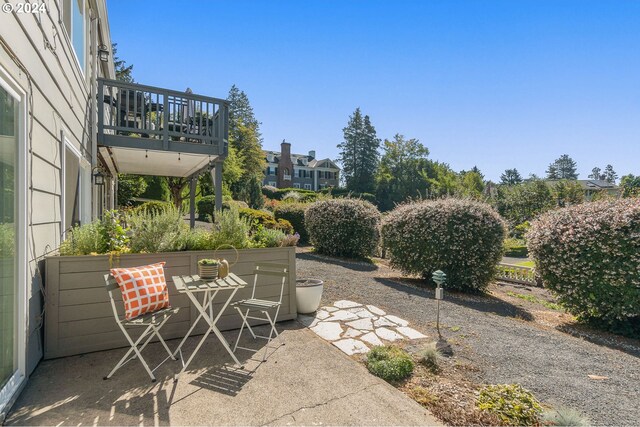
point(439, 277)
point(103, 53)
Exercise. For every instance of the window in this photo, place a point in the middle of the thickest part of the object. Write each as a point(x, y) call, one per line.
point(13, 238)
point(77, 188)
point(75, 14)
point(323, 186)
point(307, 186)
point(272, 183)
point(296, 185)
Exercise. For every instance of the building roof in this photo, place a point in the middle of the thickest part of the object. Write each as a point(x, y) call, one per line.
point(301, 159)
point(596, 184)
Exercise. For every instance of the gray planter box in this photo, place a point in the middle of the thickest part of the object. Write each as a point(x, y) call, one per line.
point(78, 315)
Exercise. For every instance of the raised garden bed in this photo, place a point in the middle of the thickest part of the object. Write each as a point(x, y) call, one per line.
point(78, 316)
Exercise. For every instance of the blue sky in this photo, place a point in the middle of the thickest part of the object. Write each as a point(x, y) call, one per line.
point(497, 84)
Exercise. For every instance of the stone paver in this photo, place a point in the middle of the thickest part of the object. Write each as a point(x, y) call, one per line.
point(351, 346)
point(354, 327)
point(330, 331)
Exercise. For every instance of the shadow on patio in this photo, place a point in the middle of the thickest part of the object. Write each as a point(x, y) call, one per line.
point(305, 381)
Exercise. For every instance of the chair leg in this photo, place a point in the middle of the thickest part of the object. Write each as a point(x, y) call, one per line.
point(134, 348)
point(164, 344)
point(244, 322)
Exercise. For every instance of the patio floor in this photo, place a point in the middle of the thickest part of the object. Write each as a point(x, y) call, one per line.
point(307, 381)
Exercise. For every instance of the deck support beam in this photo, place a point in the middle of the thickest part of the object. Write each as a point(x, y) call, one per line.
point(192, 202)
point(216, 177)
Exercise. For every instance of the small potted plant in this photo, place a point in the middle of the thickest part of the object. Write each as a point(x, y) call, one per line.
point(308, 294)
point(208, 268)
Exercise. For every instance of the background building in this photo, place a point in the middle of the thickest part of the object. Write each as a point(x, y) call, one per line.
point(286, 170)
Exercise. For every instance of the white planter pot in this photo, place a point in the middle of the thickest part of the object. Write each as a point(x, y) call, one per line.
point(308, 295)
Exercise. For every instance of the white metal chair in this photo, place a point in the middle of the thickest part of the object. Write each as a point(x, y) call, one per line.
point(264, 306)
point(153, 322)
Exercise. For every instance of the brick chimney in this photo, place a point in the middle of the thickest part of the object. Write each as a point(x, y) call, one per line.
point(312, 154)
point(285, 166)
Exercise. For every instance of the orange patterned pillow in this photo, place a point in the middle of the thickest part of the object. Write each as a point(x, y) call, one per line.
point(144, 289)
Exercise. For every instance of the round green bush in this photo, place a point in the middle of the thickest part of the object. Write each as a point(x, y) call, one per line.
point(343, 227)
point(205, 206)
point(513, 404)
point(266, 219)
point(461, 237)
point(589, 256)
point(294, 213)
point(389, 363)
point(153, 207)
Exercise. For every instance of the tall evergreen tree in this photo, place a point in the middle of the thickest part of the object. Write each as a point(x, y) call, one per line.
point(596, 173)
point(123, 71)
point(610, 175)
point(563, 167)
point(245, 149)
point(511, 177)
point(359, 154)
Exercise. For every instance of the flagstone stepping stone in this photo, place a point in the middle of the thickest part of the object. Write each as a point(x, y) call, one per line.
point(346, 304)
point(361, 324)
point(330, 331)
point(329, 309)
point(383, 322)
point(410, 333)
point(398, 321)
point(322, 314)
point(351, 333)
point(362, 313)
point(351, 346)
point(371, 338)
point(342, 315)
point(388, 334)
point(376, 310)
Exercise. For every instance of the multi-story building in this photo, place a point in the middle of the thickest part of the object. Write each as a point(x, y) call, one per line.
point(286, 170)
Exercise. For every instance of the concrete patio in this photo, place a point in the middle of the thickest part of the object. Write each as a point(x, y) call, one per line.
point(307, 381)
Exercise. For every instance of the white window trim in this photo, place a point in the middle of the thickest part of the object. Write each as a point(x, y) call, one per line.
point(307, 186)
point(83, 164)
point(272, 183)
point(296, 185)
point(69, 33)
point(13, 386)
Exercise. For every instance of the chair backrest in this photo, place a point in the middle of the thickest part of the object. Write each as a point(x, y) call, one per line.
point(270, 269)
point(112, 285)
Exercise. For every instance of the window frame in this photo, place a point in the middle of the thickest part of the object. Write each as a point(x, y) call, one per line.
point(10, 390)
point(69, 32)
point(84, 185)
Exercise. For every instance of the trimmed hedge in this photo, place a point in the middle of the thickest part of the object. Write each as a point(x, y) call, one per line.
point(463, 238)
point(294, 213)
point(343, 227)
point(343, 192)
point(279, 193)
point(589, 256)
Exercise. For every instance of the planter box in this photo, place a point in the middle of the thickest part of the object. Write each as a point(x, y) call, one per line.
point(79, 318)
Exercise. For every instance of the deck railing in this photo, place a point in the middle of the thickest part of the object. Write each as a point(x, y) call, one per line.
point(131, 110)
point(517, 274)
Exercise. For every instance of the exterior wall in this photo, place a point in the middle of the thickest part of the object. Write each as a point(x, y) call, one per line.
point(80, 318)
point(285, 165)
point(37, 53)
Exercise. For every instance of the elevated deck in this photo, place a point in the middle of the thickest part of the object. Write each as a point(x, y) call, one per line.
point(146, 130)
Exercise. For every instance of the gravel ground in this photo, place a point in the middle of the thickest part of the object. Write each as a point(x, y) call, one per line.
point(499, 338)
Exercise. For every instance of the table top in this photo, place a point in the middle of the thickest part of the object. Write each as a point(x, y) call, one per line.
point(193, 283)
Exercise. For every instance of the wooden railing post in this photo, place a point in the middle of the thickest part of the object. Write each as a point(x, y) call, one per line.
point(165, 126)
point(100, 109)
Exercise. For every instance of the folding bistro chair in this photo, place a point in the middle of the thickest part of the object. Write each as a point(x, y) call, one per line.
point(153, 322)
point(244, 307)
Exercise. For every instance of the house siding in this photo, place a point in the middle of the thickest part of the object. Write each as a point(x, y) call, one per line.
point(59, 102)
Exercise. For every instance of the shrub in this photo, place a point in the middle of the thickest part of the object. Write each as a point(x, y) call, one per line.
point(292, 196)
point(513, 404)
point(153, 207)
point(257, 217)
point(284, 226)
point(198, 239)
point(231, 204)
point(230, 229)
point(343, 192)
point(430, 358)
point(268, 238)
point(294, 213)
point(155, 231)
point(589, 256)
point(269, 191)
point(290, 240)
point(205, 206)
point(343, 227)
point(565, 417)
point(98, 237)
point(389, 363)
point(463, 238)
